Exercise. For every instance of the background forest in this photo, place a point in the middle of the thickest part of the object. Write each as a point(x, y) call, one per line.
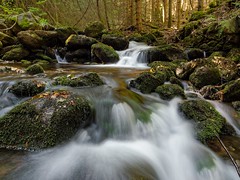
point(115, 14)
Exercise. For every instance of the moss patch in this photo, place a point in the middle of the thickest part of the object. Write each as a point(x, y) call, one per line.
point(34, 69)
point(169, 91)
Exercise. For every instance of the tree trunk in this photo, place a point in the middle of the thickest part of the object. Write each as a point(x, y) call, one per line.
point(200, 5)
point(170, 14)
point(106, 14)
point(138, 14)
point(179, 8)
point(98, 11)
point(165, 5)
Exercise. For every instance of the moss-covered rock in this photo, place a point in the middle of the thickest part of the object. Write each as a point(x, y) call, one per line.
point(116, 41)
point(194, 53)
point(236, 105)
point(1, 45)
point(169, 91)
point(94, 29)
point(234, 54)
point(162, 64)
point(210, 92)
point(26, 88)
point(174, 80)
point(146, 82)
point(188, 28)
point(16, 54)
point(6, 40)
point(89, 79)
point(102, 53)
point(30, 39)
point(74, 42)
point(26, 63)
point(205, 75)
point(34, 69)
point(231, 91)
point(208, 122)
point(45, 120)
point(79, 55)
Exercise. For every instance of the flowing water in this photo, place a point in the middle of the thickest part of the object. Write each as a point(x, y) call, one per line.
point(131, 139)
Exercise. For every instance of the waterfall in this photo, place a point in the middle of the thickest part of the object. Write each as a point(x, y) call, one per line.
point(163, 148)
point(59, 59)
point(135, 55)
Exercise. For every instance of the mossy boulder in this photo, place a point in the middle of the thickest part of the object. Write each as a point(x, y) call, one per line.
point(89, 79)
point(208, 122)
point(169, 91)
point(234, 54)
point(49, 38)
point(231, 91)
point(194, 53)
point(94, 29)
point(75, 42)
point(26, 63)
point(45, 120)
point(27, 88)
point(187, 29)
point(1, 45)
point(116, 41)
point(102, 53)
point(34, 69)
point(146, 82)
point(205, 75)
point(7, 40)
point(174, 80)
point(79, 56)
point(210, 92)
point(236, 105)
point(16, 54)
point(186, 69)
point(165, 53)
point(30, 39)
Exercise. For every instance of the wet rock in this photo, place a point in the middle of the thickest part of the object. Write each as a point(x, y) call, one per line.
point(231, 91)
point(49, 38)
point(116, 41)
point(94, 29)
point(194, 53)
point(27, 88)
point(208, 122)
point(75, 42)
point(169, 91)
point(102, 53)
point(30, 39)
point(174, 80)
point(89, 79)
point(34, 69)
point(205, 75)
point(236, 105)
point(186, 69)
point(146, 82)
point(234, 54)
point(210, 92)
point(64, 33)
point(16, 54)
point(7, 40)
point(45, 120)
point(79, 56)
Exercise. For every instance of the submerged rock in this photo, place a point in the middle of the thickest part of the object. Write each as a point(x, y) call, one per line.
point(169, 91)
point(89, 79)
point(44, 120)
point(26, 88)
point(208, 122)
point(102, 53)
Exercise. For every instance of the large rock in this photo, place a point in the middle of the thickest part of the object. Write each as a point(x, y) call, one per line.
point(102, 53)
point(231, 91)
point(79, 56)
point(26, 88)
point(194, 53)
point(75, 42)
point(116, 41)
point(34, 69)
point(64, 33)
point(30, 39)
point(165, 53)
point(146, 82)
point(6, 39)
point(89, 79)
point(45, 120)
point(17, 54)
point(94, 29)
point(169, 91)
point(208, 122)
point(205, 75)
point(50, 38)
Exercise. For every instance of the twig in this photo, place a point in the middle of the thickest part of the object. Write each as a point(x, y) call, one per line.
point(230, 156)
point(6, 29)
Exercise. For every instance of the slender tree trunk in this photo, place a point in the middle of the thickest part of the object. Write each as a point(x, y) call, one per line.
point(165, 5)
point(170, 14)
point(139, 14)
point(153, 14)
point(179, 8)
point(106, 14)
point(200, 5)
point(98, 11)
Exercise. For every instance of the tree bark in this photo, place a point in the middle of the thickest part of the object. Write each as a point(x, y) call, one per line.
point(106, 14)
point(179, 8)
point(170, 14)
point(138, 14)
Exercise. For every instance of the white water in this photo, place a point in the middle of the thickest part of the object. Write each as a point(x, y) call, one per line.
point(163, 149)
point(134, 56)
point(59, 59)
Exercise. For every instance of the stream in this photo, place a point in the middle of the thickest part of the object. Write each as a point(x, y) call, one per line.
point(147, 140)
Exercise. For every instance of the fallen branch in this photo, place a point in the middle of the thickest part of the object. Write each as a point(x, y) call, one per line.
point(6, 29)
point(230, 156)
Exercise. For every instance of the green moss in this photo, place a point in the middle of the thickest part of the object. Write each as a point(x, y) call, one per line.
point(94, 29)
point(90, 79)
point(169, 91)
point(16, 54)
point(34, 69)
point(208, 122)
point(231, 91)
point(26, 63)
point(197, 15)
point(174, 80)
point(1, 45)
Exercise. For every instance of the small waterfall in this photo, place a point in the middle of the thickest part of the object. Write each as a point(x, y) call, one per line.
point(162, 149)
point(135, 55)
point(59, 59)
